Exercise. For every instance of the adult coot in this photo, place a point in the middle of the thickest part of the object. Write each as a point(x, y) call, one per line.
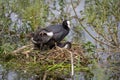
point(51, 34)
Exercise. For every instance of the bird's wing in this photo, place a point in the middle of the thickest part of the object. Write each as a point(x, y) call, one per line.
point(58, 32)
point(54, 28)
point(45, 38)
point(45, 35)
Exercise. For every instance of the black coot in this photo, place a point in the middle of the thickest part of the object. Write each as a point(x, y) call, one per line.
point(51, 34)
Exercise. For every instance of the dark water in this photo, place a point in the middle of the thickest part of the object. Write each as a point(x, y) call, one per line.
point(14, 75)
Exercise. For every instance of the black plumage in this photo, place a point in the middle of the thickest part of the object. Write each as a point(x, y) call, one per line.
point(59, 31)
point(66, 45)
point(51, 34)
point(41, 40)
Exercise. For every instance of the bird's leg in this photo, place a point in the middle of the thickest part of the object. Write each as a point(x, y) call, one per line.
point(41, 46)
point(55, 44)
point(36, 46)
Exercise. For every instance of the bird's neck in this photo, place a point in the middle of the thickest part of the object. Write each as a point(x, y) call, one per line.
point(66, 27)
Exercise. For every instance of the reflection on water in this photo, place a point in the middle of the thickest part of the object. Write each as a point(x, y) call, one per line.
point(13, 75)
point(8, 75)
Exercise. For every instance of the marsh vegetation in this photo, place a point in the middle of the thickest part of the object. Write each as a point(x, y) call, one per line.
point(95, 38)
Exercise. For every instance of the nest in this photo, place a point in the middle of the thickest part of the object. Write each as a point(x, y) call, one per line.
point(56, 55)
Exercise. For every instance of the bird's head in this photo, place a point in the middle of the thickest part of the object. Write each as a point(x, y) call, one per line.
point(66, 23)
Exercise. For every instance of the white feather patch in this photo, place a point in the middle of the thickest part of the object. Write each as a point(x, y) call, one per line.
point(66, 46)
point(68, 23)
point(50, 34)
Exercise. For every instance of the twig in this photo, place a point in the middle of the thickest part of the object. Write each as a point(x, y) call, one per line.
point(87, 30)
point(21, 48)
point(26, 52)
point(72, 64)
point(45, 75)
